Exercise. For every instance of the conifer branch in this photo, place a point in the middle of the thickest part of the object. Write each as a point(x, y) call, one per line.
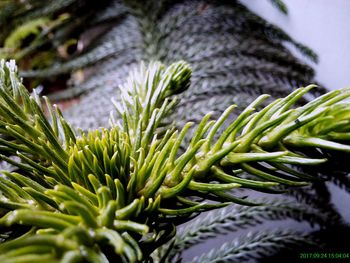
point(231, 219)
point(255, 245)
point(125, 188)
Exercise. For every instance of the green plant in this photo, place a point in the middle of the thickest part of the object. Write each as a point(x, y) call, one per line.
point(238, 54)
point(121, 192)
point(235, 56)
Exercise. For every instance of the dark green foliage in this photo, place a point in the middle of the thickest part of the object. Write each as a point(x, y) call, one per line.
point(280, 5)
point(231, 219)
point(231, 51)
point(255, 245)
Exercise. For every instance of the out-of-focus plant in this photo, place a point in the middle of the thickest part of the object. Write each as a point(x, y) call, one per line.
point(37, 33)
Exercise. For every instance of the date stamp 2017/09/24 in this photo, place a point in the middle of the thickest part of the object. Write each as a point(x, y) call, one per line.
point(325, 256)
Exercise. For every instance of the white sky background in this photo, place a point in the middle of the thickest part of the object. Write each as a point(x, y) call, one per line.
point(324, 26)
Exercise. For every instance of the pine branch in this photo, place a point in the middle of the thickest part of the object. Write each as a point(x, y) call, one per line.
point(131, 187)
point(255, 245)
point(32, 10)
point(172, 31)
point(107, 45)
point(171, 23)
point(188, 31)
point(280, 5)
point(30, 135)
point(232, 219)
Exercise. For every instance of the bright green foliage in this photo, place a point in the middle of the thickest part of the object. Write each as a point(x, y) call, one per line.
point(118, 193)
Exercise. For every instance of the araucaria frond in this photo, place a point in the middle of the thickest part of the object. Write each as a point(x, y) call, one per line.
point(119, 193)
